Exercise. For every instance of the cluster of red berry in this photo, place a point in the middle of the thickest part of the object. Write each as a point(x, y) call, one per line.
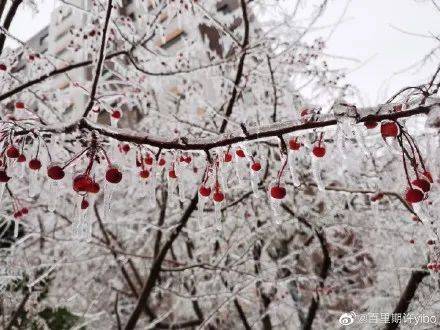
point(218, 196)
point(419, 188)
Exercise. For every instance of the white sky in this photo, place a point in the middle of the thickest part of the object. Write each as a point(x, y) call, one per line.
point(366, 33)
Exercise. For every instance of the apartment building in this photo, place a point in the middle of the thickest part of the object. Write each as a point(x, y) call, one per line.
point(64, 19)
point(55, 42)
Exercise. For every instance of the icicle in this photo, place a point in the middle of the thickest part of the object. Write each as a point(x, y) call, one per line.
point(200, 214)
point(360, 139)
point(340, 141)
point(239, 171)
point(292, 158)
point(180, 182)
point(10, 169)
point(218, 215)
point(16, 228)
point(52, 191)
point(316, 170)
point(151, 188)
point(21, 170)
point(108, 194)
point(2, 190)
point(223, 172)
point(82, 226)
point(34, 184)
point(114, 121)
point(275, 205)
point(255, 179)
point(172, 190)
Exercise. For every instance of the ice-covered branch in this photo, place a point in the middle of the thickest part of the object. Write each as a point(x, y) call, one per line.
point(254, 133)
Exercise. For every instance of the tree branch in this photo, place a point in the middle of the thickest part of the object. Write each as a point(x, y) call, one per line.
point(240, 68)
point(255, 133)
point(101, 57)
point(406, 297)
point(156, 266)
point(8, 20)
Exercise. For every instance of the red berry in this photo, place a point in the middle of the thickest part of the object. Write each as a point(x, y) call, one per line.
point(414, 195)
point(205, 191)
point(18, 214)
point(430, 242)
point(278, 192)
point(12, 152)
point(172, 174)
point(84, 204)
point(218, 196)
point(256, 166)
point(162, 162)
point(34, 164)
point(94, 188)
point(82, 183)
point(3, 176)
point(55, 172)
point(294, 144)
point(423, 184)
point(370, 124)
point(2, 67)
point(116, 114)
point(19, 105)
point(240, 153)
point(113, 175)
point(411, 241)
point(318, 151)
point(430, 265)
point(24, 210)
point(149, 160)
point(228, 157)
point(21, 158)
point(125, 147)
point(389, 129)
point(144, 174)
